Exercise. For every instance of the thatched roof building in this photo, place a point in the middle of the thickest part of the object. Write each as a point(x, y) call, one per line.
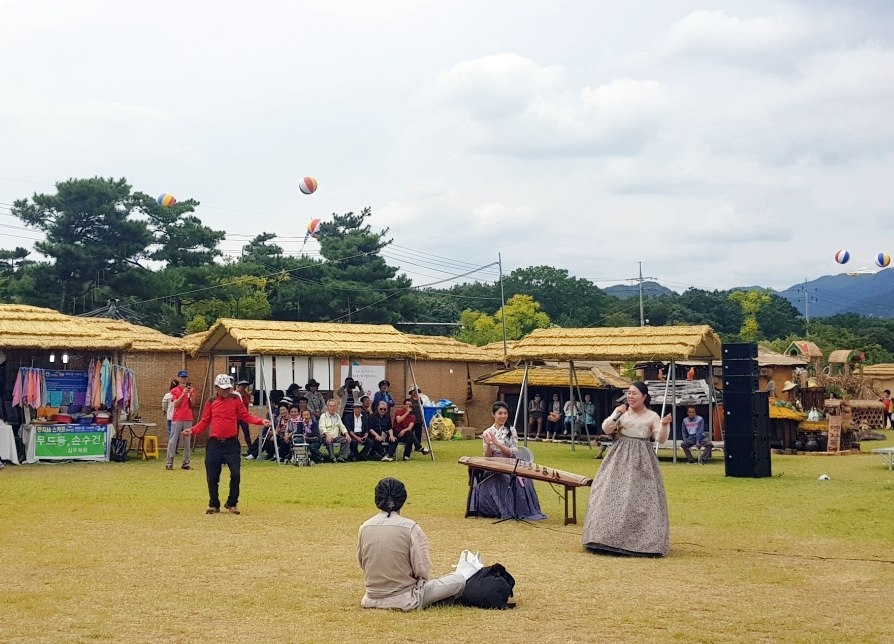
point(325, 339)
point(620, 343)
point(37, 329)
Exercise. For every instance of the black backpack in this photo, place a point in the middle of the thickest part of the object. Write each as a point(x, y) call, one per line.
point(490, 587)
point(118, 450)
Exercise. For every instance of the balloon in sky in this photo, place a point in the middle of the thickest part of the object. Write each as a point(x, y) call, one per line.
point(166, 200)
point(313, 228)
point(842, 256)
point(308, 185)
point(882, 260)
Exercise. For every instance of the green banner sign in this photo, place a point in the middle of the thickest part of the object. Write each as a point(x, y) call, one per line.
point(64, 442)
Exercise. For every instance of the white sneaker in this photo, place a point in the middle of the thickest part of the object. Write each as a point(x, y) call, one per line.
point(250, 457)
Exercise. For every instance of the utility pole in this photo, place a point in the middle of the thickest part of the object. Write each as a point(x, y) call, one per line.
point(806, 309)
point(502, 305)
point(642, 317)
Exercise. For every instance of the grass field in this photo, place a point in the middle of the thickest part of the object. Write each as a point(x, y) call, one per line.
point(114, 552)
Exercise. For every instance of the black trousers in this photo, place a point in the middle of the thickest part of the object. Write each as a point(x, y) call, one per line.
point(217, 453)
point(417, 431)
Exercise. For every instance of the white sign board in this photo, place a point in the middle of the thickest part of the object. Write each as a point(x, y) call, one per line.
point(368, 374)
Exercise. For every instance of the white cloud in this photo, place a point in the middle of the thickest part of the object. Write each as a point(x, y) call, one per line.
point(706, 32)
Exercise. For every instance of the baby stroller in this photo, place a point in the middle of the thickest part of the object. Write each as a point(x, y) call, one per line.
point(300, 451)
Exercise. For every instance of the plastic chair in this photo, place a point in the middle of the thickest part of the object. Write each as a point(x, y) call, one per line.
point(524, 454)
point(150, 447)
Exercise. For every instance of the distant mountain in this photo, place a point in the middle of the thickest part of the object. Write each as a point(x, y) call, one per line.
point(864, 293)
point(650, 289)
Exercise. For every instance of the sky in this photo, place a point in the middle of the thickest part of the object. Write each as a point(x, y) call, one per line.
point(719, 144)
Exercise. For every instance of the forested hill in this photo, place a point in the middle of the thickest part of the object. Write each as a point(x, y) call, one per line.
point(650, 289)
point(871, 295)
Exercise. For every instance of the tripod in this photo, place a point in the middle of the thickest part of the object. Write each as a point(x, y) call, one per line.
point(513, 489)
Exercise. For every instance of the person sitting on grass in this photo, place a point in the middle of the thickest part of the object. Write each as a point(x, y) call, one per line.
point(223, 413)
point(404, 423)
point(393, 554)
point(333, 432)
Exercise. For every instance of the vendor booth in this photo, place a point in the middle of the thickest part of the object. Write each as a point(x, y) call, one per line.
point(63, 385)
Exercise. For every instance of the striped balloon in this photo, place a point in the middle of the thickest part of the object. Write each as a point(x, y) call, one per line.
point(308, 185)
point(166, 200)
point(882, 260)
point(842, 256)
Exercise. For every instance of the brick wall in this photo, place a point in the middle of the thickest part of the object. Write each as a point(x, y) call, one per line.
point(440, 379)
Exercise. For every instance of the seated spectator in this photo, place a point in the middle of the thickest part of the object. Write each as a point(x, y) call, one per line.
point(380, 434)
point(358, 430)
point(536, 412)
point(694, 435)
point(393, 554)
point(268, 450)
point(333, 432)
point(404, 421)
point(572, 417)
point(309, 433)
point(593, 428)
point(383, 395)
point(553, 418)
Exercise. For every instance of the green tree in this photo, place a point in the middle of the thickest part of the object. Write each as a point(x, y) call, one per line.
point(568, 301)
point(178, 237)
point(89, 226)
point(751, 303)
point(523, 315)
point(357, 285)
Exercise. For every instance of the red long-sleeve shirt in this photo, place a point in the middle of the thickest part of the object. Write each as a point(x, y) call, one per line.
point(222, 414)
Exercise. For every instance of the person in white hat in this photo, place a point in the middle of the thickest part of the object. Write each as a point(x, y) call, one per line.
point(223, 413)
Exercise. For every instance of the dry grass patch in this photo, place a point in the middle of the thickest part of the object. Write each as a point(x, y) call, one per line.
point(102, 552)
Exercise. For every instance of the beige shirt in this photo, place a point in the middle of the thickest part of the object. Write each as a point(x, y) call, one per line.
point(332, 426)
point(393, 554)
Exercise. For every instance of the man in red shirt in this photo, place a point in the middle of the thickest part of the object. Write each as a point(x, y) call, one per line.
point(223, 412)
point(181, 418)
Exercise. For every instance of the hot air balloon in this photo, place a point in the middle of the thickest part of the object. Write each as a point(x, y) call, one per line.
point(166, 200)
point(842, 256)
point(308, 185)
point(882, 260)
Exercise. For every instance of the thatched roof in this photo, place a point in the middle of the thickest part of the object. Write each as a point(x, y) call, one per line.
point(842, 356)
point(884, 370)
point(804, 348)
point(142, 339)
point(35, 328)
point(619, 343)
point(439, 347)
point(592, 377)
point(327, 339)
point(495, 349)
point(768, 358)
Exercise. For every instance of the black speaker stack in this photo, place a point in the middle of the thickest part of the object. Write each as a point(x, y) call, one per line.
point(746, 438)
